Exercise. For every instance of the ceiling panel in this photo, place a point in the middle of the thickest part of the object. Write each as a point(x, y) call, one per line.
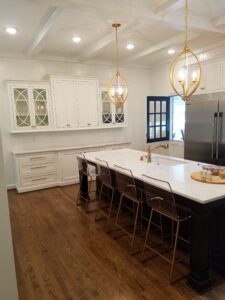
point(25, 16)
point(151, 33)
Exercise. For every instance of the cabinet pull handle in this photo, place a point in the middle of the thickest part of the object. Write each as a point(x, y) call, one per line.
point(37, 157)
point(42, 167)
point(37, 179)
point(33, 126)
point(67, 125)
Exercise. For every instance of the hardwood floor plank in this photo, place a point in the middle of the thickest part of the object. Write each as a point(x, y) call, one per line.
point(61, 253)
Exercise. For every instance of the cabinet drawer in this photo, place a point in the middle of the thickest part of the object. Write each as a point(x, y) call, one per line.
point(35, 170)
point(40, 158)
point(38, 180)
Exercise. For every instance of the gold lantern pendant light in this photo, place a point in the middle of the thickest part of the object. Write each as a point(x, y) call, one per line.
point(183, 80)
point(117, 86)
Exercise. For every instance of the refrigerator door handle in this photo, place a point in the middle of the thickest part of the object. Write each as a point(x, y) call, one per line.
point(219, 134)
point(214, 135)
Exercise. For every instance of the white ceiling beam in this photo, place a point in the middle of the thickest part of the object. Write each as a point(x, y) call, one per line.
point(220, 21)
point(170, 5)
point(46, 23)
point(196, 23)
point(154, 48)
point(96, 46)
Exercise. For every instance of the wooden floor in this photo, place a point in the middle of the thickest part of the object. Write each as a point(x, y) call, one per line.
point(61, 253)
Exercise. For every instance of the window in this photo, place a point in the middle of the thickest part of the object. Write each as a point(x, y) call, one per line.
point(165, 118)
point(158, 118)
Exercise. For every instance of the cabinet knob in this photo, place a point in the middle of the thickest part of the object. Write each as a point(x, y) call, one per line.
point(202, 88)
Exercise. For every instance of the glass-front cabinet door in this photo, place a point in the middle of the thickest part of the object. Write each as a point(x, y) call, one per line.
point(111, 115)
point(106, 108)
point(21, 107)
point(40, 104)
point(30, 106)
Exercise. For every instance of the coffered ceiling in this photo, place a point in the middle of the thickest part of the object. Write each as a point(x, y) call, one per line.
point(46, 27)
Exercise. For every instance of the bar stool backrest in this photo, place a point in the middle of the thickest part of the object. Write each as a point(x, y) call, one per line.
point(104, 173)
point(125, 182)
point(160, 193)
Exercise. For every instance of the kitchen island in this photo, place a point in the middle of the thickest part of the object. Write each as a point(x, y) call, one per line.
point(206, 202)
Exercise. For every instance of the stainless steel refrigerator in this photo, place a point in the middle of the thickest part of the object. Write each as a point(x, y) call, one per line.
point(204, 137)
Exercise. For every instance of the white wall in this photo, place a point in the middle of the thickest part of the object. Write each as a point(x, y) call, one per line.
point(20, 69)
point(160, 82)
point(8, 286)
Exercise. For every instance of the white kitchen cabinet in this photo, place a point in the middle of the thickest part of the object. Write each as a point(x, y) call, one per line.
point(30, 106)
point(68, 167)
point(64, 93)
point(211, 78)
point(75, 102)
point(88, 103)
point(36, 171)
point(223, 75)
point(112, 116)
point(52, 167)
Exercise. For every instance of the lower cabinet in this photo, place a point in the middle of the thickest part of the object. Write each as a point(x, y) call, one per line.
point(68, 167)
point(36, 171)
point(46, 169)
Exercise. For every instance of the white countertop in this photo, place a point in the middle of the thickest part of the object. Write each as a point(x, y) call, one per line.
point(174, 170)
point(81, 147)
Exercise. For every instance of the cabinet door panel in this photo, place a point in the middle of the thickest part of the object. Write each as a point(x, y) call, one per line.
point(65, 103)
point(88, 103)
point(21, 107)
point(223, 76)
point(40, 103)
point(69, 167)
point(211, 75)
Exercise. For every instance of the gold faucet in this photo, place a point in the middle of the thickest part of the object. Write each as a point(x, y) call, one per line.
point(149, 152)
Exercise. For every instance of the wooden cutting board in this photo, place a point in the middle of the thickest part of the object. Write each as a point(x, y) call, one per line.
point(215, 179)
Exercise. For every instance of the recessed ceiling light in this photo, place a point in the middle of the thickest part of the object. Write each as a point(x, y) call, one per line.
point(11, 30)
point(76, 39)
point(130, 46)
point(171, 51)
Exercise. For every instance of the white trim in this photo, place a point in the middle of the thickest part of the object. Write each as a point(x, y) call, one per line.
point(11, 186)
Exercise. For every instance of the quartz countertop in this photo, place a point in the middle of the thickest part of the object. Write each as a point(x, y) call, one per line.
point(174, 170)
point(77, 147)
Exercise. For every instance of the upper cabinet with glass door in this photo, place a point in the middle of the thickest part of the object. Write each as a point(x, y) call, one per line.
point(112, 116)
point(30, 106)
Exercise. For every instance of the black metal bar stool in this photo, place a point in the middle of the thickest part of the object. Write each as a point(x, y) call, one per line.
point(126, 185)
point(105, 179)
point(160, 198)
point(87, 177)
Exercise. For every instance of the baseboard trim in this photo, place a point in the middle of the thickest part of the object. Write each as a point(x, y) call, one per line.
point(11, 186)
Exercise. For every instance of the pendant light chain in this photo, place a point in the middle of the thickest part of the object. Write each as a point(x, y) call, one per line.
point(117, 53)
point(186, 23)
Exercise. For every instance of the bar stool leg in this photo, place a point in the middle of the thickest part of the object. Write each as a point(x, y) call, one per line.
point(110, 210)
point(79, 192)
point(172, 233)
point(99, 202)
point(174, 251)
point(135, 226)
point(117, 216)
point(146, 237)
point(88, 193)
